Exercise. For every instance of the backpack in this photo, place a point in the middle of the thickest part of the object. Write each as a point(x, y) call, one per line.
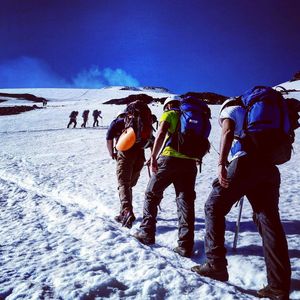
point(95, 113)
point(73, 114)
point(191, 135)
point(268, 131)
point(138, 116)
point(85, 113)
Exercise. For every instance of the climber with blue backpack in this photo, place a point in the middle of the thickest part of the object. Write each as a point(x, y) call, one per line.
point(257, 134)
point(181, 141)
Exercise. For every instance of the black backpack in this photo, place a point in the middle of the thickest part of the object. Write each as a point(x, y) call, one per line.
point(73, 114)
point(138, 116)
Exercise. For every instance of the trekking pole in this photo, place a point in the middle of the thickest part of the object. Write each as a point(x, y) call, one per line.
point(237, 227)
point(149, 173)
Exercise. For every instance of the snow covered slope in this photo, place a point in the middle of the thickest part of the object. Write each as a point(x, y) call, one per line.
point(58, 238)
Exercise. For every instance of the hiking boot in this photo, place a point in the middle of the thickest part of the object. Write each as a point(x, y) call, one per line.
point(272, 293)
point(118, 218)
point(217, 272)
point(128, 219)
point(182, 251)
point(144, 238)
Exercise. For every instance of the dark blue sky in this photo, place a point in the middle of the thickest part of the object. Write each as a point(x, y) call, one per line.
point(222, 46)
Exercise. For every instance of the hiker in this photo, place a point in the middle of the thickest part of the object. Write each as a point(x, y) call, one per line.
point(129, 165)
point(44, 102)
point(73, 117)
point(170, 166)
point(85, 116)
point(96, 115)
point(246, 174)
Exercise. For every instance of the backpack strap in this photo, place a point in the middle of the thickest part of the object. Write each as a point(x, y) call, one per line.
point(171, 135)
point(236, 101)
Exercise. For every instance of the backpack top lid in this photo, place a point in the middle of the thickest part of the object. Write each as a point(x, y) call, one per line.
point(139, 116)
point(190, 103)
point(138, 108)
point(259, 93)
point(266, 109)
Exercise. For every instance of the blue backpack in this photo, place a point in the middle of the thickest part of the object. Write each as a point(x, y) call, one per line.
point(267, 127)
point(193, 129)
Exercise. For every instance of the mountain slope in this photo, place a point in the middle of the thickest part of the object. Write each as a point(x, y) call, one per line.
point(58, 237)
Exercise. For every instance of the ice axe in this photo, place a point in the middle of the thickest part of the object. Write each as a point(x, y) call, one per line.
point(149, 174)
point(237, 225)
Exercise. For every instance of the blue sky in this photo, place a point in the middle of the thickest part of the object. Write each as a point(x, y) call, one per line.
point(222, 46)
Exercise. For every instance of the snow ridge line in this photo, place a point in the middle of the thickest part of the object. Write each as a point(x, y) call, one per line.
point(104, 127)
point(10, 178)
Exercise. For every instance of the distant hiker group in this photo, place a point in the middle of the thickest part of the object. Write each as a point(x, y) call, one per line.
point(258, 130)
point(85, 116)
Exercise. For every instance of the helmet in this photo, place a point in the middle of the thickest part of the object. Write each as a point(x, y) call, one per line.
point(120, 113)
point(231, 102)
point(171, 99)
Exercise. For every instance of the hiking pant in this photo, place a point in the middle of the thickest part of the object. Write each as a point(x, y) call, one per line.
point(129, 166)
point(96, 122)
point(260, 183)
point(84, 123)
point(182, 173)
point(72, 121)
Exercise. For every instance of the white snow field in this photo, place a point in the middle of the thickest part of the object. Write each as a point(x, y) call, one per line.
point(58, 237)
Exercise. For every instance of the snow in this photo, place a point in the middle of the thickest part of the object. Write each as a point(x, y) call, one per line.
point(101, 95)
point(58, 237)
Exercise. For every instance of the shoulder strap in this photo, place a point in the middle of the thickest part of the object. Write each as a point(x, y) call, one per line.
point(237, 101)
point(172, 135)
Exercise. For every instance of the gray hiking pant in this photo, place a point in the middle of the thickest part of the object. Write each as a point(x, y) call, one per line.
point(129, 166)
point(260, 183)
point(182, 173)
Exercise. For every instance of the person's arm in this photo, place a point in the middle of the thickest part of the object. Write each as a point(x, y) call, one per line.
point(227, 136)
point(110, 148)
point(112, 133)
point(158, 143)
